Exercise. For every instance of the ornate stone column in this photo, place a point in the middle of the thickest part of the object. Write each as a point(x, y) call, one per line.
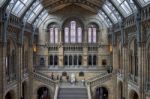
point(61, 50)
point(85, 49)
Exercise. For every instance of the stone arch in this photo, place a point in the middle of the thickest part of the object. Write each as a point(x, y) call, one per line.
point(101, 93)
point(48, 21)
point(77, 18)
point(133, 95)
point(103, 85)
point(50, 92)
point(43, 93)
point(10, 95)
point(120, 90)
point(95, 21)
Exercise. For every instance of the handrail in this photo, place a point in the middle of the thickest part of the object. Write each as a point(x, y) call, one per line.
point(56, 91)
point(88, 91)
point(44, 79)
point(101, 79)
point(100, 75)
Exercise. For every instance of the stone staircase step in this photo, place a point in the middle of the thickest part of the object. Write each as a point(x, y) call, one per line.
point(72, 93)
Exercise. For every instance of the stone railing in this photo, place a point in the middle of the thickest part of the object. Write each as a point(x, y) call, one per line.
point(44, 79)
point(47, 80)
point(100, 79)
point(97, 76)
point(89, 91)
point(56, 91)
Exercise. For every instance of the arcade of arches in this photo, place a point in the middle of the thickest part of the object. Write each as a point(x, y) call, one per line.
point(64, 49)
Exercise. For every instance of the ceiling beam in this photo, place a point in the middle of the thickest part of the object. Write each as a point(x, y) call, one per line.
point(37, 15)
point(117, 9)
point(107, 16)
point(26, 10)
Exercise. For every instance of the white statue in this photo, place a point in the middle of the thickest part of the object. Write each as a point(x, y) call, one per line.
point(72, 78)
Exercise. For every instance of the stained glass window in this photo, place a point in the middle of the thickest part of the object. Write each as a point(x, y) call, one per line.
point(54, 35)
point(73, 33)
point(66, 35)
point(79, 37)
point(92, 32)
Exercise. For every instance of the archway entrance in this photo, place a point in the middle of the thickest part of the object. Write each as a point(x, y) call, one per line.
point(9, 95)
point(120, 90)
point(43, 93)
point(101, 93)
point(24, 90)
point(134, 95)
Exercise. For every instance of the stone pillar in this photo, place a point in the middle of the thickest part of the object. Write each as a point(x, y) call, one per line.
point(125, 71)
point(85, 56)
point(141, 68)
point(61, 56)
point(19, 70)
point(30, 92)
point(3, 52)
point(85, 49)
point(115, 58)
point(42, 49)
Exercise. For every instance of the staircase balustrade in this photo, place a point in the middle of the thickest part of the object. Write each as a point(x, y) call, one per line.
point(101, 79)
point(44, 79)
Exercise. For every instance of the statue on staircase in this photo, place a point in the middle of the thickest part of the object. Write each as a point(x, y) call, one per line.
point(73, 78)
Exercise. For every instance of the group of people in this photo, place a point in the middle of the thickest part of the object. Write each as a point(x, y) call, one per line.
point(60, 77)
point(70, 79)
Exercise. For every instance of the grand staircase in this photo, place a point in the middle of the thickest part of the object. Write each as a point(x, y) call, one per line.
point(72, 93)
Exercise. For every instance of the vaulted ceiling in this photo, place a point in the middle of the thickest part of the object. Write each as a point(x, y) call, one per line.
point(37, 11)
point(91, 5)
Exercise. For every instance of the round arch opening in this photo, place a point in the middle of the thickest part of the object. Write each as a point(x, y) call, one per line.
point(10, 95)
point(43, 93)
point(134, 95)
point(101, 93)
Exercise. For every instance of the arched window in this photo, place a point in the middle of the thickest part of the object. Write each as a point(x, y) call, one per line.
point(51, 60)
point(65, 60)
point(90, 60)
point(53, 33)
point(55, 60)
point(75, 60)
point(80, 60)
point(70, 60)
point(92, 33)
point(94, 60)
point(73, 32)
